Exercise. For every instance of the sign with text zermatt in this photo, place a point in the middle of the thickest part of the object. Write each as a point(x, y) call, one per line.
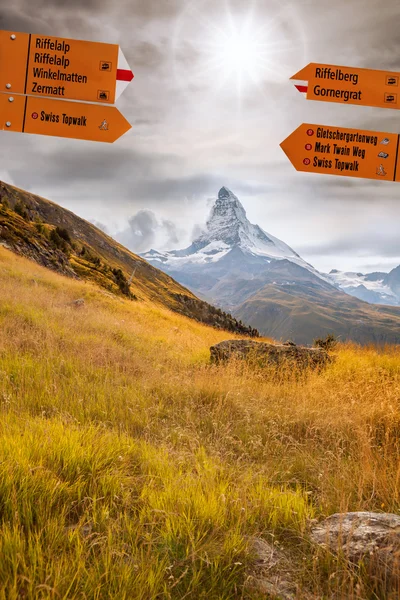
point(39, 74)
point(341, 151)
point(349, 85)
point(62, 68)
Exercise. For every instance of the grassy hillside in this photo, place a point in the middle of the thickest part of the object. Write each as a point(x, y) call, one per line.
point(131, 468)
point(297, 312)
point(59, 240)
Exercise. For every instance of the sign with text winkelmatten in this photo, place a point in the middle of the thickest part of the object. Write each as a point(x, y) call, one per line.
point(341, 151)
point(62, 68)
point(349, 85)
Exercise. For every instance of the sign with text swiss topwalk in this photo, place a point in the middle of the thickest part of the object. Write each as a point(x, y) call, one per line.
point(341, 151)
point(62, 68)
point(46, 116)
point(349, 85)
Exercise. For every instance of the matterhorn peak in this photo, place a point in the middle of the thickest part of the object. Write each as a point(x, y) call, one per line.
point(227, 211)
point(224, 192)
point(226, 219)
point(227, 199)
point(227, 231)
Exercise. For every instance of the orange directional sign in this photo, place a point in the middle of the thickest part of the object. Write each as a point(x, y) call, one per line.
point(45, 116)
point(349, 85)
point(340, 151)
point(62, 68)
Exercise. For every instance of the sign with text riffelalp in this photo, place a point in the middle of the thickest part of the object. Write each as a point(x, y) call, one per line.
point(62, 68)
point(349, 85)
point(46, 116)
point(341, 151)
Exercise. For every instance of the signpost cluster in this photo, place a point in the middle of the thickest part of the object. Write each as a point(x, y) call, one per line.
point(62, 87)
point(337, 150)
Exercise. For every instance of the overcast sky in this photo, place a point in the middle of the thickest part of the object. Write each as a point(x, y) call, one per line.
point(209, 108)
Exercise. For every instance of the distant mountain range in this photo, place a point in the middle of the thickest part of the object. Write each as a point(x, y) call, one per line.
point(261, 280)
point(378, 288)
point(233, 264)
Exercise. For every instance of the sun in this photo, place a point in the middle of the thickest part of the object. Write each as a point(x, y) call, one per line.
point(227, 49)
point(238, 54)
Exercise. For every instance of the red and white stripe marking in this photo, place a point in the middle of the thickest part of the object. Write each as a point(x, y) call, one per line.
point(124, 74)
point(302, 89)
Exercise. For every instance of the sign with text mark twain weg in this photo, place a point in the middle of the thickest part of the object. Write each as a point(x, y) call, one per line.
point(78, 120)
point(349, 85)
point(62, 68)
point(347, 152)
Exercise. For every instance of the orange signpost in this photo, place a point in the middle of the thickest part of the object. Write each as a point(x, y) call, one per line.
point(46, 116)
point(349, 85)
point(347, 152)
point(62, 68)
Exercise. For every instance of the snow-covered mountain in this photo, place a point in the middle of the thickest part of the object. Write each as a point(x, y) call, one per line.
point(261, 280)
point(377, 288)
point(228, 231)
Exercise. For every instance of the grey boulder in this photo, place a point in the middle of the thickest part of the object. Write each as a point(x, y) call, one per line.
point(265, 353)
point(362, 536)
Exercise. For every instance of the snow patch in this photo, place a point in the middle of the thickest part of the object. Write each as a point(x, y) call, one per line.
point(351, 280)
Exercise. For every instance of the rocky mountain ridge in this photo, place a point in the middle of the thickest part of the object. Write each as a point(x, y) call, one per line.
point(237, 265)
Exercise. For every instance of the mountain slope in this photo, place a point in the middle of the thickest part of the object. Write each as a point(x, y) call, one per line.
point(56, 238)
point(379, 288)
point(260, 279)
point(295, 312)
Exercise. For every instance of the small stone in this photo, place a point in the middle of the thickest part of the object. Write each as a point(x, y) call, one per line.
point(79, 302)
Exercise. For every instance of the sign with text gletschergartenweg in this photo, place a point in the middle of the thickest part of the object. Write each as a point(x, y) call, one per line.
point(349, 85)
point(341, 151)
point(46, 116)
point(61, 68)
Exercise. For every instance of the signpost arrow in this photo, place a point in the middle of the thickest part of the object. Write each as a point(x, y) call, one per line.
point(62, 68)
point(46, 116)
point(349, 85)
point(347, 152)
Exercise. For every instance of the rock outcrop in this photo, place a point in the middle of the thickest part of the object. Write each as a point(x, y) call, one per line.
point(358, 535)
point(269, 354)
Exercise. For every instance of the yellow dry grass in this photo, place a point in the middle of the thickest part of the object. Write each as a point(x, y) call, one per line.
point(132, 468)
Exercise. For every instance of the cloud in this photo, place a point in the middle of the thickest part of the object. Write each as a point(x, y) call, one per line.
point(153, 9)
point(6, 177)
point(94, 163)
point(141, 232)
point(383, 246)
point(14, 19)
point(144, 229)
point(197, 231)
point(148, 55)
point(193, 133)
point(100, 226)
point(171, 231)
